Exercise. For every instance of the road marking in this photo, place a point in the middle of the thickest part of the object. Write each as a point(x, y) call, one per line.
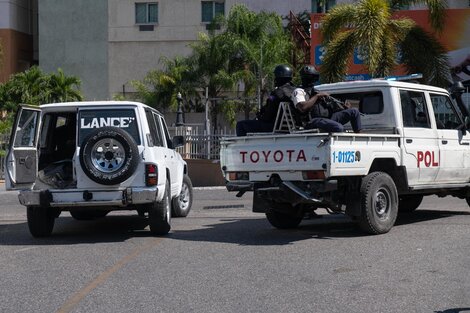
point(228, 206)
point(72, 302)
point(25, 249)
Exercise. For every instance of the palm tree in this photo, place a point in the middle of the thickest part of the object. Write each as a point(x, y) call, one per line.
point(160, 87)
point(62, 88)
point(260, 42)
point(28, 87)
point(368, 25)
point(210, 63)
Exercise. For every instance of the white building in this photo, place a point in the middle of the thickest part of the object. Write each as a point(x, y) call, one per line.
point(17, 31)
point(108, 43)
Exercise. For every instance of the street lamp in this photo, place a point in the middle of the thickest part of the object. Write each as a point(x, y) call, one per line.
point(179, 111)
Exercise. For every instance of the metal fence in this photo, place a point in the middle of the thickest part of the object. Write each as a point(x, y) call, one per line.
point(199, 144)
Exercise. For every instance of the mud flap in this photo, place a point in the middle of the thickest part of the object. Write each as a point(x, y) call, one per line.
point(353, 204)
point(259, 204)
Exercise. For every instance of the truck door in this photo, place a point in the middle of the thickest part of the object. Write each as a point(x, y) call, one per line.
point(421, 156)
point(21, 165)
point(454, 143)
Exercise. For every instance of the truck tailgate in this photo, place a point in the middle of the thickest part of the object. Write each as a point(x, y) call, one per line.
point(286, 155)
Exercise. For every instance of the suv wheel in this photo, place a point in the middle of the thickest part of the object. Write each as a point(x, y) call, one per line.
point(109, 155)
point(181, 205)
point(160, 213)
point(40, 221)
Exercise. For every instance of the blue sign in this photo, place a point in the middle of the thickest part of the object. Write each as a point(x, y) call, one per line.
point(358, 56)
point(357, 77)
point(319, 51)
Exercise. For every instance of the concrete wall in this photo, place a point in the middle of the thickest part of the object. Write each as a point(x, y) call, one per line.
point(281, 7)
point(17, 52)
point(16, 31)
point(133, 53)
point(205, 173)
point(73, 35)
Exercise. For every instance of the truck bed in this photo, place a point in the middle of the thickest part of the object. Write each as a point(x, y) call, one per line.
point(290, 155)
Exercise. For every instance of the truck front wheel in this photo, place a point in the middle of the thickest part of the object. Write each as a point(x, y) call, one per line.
point(282, 220)
point(379, 203)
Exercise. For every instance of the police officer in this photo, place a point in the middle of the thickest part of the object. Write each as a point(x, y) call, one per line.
point(322, 116)
point(265, 119)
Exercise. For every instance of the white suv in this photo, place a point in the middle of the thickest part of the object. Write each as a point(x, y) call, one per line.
point(90, 158)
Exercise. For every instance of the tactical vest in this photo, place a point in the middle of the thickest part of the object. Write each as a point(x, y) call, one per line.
point(268, 112)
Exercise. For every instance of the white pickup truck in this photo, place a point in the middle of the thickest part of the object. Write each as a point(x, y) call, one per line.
point(415, 142)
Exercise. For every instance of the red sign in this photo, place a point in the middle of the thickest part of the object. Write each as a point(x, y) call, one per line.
point(455, 37)
point(265, 156)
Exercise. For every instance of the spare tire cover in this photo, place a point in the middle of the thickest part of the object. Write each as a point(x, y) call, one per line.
point(109, 155)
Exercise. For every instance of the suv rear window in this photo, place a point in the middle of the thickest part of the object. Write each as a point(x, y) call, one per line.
point(96, 118)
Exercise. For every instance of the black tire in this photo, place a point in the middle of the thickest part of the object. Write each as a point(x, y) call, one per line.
point(87, 215)
point(40, 221)
point(181, 204)
point(409, 203)
point(108, 165)
point(160, 214)
point(283, 220)
point(379, 203)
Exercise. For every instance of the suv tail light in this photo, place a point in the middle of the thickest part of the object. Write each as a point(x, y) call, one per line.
point(151, 174)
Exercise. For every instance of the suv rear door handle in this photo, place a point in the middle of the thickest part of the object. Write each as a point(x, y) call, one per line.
point(409, 140)
point(444, 142)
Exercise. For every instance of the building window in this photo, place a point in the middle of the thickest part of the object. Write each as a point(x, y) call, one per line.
point(319, 6)
point(146, 13)
point(210, 9)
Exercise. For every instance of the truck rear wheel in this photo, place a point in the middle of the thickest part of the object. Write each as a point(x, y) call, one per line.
point(379, 203)
point(409, 203)
point(283, 220)
point(40, 221)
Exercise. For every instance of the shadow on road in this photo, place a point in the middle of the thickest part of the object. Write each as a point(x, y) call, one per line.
point(456, 310)
point(242, 231)
point(425, 215)
point(258, 232)
point(68, 231)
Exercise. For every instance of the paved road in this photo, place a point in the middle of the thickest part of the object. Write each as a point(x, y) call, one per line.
point(223, 258)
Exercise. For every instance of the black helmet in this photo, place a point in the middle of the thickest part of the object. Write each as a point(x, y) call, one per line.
point(309, 70)
point(283, 71)
point(309, 75)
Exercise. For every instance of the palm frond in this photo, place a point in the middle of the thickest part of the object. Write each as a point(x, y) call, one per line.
point(437, 13)
point(340, 17)
point(371, 27)
point(335, 63)
point(422, 53)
